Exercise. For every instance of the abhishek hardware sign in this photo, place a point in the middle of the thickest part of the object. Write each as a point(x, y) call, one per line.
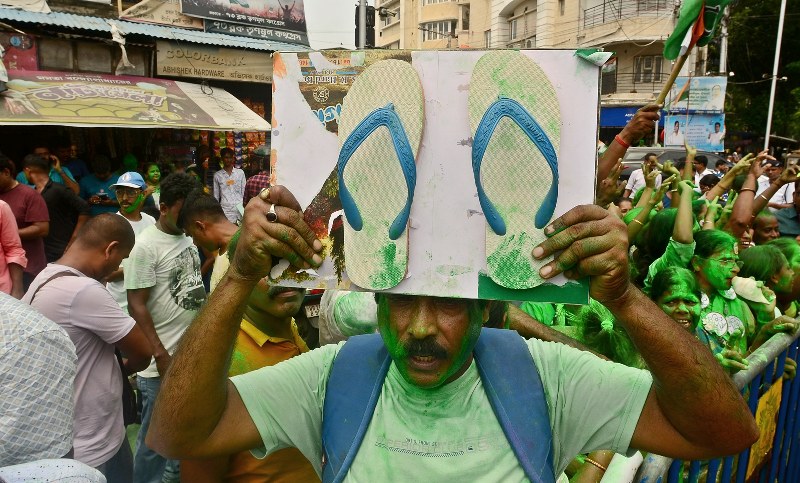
point(210, 62)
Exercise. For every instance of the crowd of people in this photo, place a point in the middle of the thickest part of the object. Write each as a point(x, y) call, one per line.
point(691, 269)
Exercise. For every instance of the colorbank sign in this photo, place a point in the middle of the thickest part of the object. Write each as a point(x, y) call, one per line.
point(209, 62)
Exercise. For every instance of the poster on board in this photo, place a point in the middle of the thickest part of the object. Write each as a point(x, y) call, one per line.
point(401, 170)
point(697, 94)
point(706, 132)
point(161, 12)
point(283, 15)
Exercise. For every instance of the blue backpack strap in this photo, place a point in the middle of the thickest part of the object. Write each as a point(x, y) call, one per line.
point(515, 390)
point(354, 386)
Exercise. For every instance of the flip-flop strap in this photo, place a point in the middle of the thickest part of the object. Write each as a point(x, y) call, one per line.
point(513, 110)
point(383, 116)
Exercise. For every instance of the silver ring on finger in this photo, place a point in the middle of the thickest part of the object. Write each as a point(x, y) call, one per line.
point(272, 217)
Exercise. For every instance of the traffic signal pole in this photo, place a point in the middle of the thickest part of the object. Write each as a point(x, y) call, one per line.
point(362, 24)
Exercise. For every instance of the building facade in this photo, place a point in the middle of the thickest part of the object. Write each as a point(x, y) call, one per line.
point(634, 29)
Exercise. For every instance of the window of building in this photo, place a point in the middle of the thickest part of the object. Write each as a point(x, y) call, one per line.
point(514, 29)
point(647, 68)
point(561, 7)
point(487, 39)
point(465, 17)
point(431, 2)
point(56, 54)
point(94, 57)
point(140, 58)
point(438, 30)
point(80, 56)
point(608, 77)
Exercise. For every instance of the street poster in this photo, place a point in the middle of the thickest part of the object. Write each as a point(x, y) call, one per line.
point(87, 100)
point(274, 15)
point(161, 12)
point(697, 94)
point(447, 249)
point(706, 132)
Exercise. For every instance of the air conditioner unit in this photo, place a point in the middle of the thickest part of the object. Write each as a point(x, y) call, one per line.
point(530, 43)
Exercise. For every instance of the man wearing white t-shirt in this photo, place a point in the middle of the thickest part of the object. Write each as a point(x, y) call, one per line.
point(675, 138)
point(70, 293)
point(129, 189)
point(229, 183)
point(165, 291)
point(718, 136)
point(700, 168)
point(637, 181)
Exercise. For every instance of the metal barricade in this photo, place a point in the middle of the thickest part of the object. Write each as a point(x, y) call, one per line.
point(783, 462)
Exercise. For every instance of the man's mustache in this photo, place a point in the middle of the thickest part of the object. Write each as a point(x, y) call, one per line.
point(425, 348)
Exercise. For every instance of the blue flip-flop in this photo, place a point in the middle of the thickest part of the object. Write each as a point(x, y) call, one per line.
point(516, 125)
point(380, 128)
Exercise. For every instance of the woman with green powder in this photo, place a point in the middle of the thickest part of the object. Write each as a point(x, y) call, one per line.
point(769, 268)
point(767, 264)
point(788, 302)
point(726, 322)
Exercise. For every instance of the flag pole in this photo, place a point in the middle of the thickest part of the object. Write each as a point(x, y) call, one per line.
point(676, 70)
point(774, 74)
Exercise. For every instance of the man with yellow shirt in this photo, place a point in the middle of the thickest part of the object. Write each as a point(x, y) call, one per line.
point(267, 336)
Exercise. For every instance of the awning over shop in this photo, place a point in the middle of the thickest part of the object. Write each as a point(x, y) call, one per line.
point(84, 22)
point(96, 100)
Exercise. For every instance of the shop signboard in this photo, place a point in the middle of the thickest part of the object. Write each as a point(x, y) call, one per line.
point(697, 94)
point(72, 99)
point(286, 15)
point(161, 12)
point(706, 132)
point(253, 31)
point(212, 62)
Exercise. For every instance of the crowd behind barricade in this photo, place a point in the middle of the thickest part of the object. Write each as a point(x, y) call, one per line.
point(113, 264)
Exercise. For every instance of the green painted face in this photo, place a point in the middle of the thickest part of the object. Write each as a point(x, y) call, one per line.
point(135, 205)
point(429, 339)
point(785, 280)
point(719, 269)
point(154, 174)
point(681, 304)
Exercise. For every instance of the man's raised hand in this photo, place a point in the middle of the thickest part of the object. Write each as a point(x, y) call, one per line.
point(594, 243)
point(261, 240)
point(642, 124)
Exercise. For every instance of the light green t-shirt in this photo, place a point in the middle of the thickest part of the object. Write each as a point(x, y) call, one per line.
point(449, 433)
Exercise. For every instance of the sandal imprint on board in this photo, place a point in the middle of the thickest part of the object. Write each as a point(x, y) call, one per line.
point(516, 126)
point(380, 130)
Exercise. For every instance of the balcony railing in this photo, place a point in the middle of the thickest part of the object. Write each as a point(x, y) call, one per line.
point(614, 10)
